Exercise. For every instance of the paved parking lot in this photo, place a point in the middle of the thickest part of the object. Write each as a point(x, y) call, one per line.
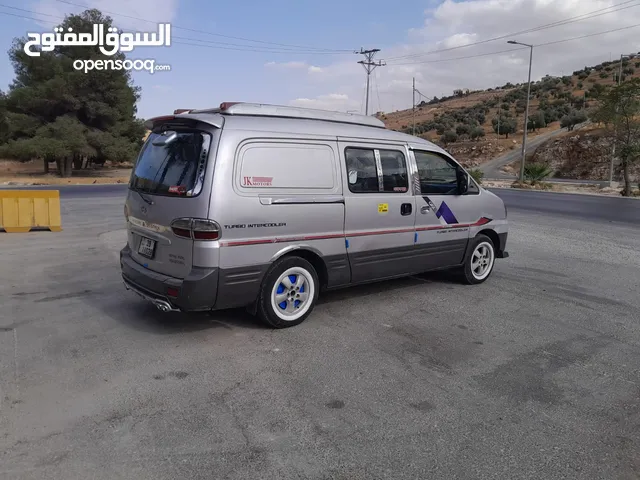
point(534, 374)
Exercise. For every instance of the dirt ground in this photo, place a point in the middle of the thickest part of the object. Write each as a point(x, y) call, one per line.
point(32, 173)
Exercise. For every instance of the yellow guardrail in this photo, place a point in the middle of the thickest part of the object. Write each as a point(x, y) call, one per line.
point(23, 210)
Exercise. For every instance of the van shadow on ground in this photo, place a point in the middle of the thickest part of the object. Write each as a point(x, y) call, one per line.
point(139, 314)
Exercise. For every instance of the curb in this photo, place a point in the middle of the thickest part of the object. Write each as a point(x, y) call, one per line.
point(600, 195)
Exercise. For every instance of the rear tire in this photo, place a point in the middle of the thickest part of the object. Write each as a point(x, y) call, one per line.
point(479, 261)
point(288, 293)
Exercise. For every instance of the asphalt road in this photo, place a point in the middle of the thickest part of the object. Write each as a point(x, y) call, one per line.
point(588, 207)
point(533, 374)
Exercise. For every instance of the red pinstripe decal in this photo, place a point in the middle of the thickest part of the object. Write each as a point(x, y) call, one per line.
point(482, 221)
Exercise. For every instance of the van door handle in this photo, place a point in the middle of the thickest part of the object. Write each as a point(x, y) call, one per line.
point(424, 210)
point(405, 209)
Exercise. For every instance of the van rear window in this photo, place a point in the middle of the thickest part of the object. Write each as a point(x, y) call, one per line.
point(172, 163)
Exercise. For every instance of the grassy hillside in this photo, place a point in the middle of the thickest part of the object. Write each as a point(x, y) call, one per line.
point(464, 121)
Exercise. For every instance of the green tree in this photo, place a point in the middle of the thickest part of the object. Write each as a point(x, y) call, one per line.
point(504, 125)
point(449, 137)
point(619, 111)
point(536, 121)
point(573, 118)
point(463, 129)
point(57, 113)
point(477, 132)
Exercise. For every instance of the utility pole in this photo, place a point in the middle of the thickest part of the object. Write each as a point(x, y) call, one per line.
point(413, 106)
point(526, 112)
point(369, 66)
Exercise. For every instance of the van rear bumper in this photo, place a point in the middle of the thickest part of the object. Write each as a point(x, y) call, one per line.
point(196, 292)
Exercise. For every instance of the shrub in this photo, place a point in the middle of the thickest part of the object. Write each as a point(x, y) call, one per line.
point(477, 175)
point(449, 137)
point(463, 129)
point(628, 71)
point(504, 106)
point(582, 76)
point(603, 75)
point(477, 132)
point(536, 172)
point(580, 85)
point(637, 64)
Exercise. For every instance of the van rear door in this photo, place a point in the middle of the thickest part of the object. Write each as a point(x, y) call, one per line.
point(169, 189)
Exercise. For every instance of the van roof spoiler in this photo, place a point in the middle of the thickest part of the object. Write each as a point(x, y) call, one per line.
point(265, 110)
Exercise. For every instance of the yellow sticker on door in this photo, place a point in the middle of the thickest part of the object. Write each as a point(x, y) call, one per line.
point(383, 207)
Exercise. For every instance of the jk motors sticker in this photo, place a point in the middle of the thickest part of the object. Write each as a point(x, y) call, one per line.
point(383, 207)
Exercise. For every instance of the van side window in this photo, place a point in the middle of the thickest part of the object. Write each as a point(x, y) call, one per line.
point(361, 168)
point(437, 175)
point(366, 176)
point(394, 171)
point(473, 187)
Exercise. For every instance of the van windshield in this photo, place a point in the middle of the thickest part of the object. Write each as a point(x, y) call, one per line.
point(172, 163)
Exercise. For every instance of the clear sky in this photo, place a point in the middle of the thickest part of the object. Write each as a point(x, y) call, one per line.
point(314, 64)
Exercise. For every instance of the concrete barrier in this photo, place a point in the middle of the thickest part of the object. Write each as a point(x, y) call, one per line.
point(23, 210)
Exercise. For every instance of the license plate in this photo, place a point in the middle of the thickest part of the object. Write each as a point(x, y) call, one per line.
point(147, 247)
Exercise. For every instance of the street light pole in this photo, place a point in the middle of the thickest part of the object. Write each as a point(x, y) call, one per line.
point(526, 112)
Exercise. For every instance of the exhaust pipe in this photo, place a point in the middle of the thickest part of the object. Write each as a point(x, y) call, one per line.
point(162, 306)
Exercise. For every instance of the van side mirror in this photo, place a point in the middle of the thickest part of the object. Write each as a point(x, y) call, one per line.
point(463, 182)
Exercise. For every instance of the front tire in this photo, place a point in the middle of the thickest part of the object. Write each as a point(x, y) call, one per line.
point(479, 262)
point(288, 293)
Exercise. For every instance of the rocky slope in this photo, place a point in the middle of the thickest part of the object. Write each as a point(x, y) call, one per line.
point(579, 155)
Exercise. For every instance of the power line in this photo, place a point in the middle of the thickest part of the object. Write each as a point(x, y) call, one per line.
point(208, 43)
point(577, 18)
point(523, 48)
point(254, 50)
point(369, 66)
point(217, 34)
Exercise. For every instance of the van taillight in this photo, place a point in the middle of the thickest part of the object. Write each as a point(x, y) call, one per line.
point(196, 228)
point(182, 227)
point(205, 230)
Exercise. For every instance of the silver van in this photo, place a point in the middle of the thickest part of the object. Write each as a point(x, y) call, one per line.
point(264, 206)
